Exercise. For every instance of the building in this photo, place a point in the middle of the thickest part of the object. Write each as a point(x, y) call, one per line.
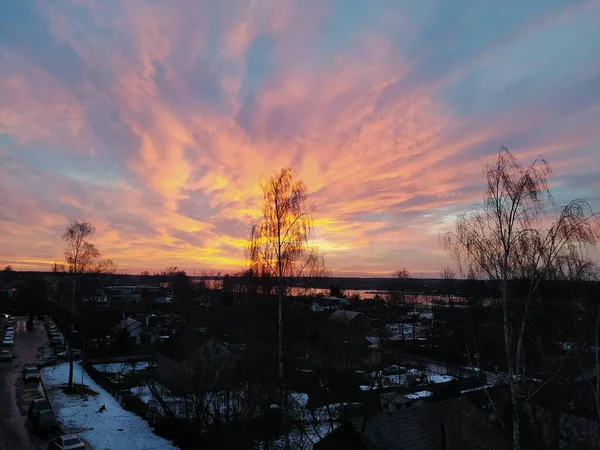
point(321, 304)
point(450, 425)
point(393, 401)
point(191, 353)
point(133, 329)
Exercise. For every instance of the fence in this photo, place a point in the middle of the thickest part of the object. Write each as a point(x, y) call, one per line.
point(124, 396)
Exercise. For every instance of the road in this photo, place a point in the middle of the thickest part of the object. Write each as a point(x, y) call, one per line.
point(16, 431)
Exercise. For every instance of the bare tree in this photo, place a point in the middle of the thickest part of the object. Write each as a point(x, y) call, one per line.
point(80, 256)
point(279, 242)
point(506, 238)
point(448, 277)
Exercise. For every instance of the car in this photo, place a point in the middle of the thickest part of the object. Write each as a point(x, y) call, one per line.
point(65, 354)
point(55, 341)
point(46, 361)
point(31, 374)
point(394, 370)
point(29, 365)
point(45, 420)
point(66, 442)
point(37, 405)
point(6, 355)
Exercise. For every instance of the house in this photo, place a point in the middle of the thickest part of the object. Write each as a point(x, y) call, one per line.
point(338, 344)
point(123, 295)
point(351, 319)
point(133, 329)
point(451, 425)
point(393, 401)
point(192, 353)
point(321, 304)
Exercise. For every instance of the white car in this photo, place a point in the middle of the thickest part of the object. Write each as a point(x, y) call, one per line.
point(67, 442)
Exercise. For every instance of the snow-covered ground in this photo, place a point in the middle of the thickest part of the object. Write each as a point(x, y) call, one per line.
point(121, 368)
point(115, 428)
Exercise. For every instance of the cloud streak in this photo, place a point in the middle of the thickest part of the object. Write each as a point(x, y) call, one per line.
point(157, 121)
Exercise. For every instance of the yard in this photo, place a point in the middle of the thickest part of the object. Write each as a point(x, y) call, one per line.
point(114, 428)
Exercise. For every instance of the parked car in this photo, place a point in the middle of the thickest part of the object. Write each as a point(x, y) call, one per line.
point(66, 442)
point(29, 365)
point(45, 420)
point(37, 405)
point(6, 355)
point(65, 354)
point(31, 374)
point(46, 361)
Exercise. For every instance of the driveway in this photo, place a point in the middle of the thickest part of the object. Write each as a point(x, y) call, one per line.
point(16, 431)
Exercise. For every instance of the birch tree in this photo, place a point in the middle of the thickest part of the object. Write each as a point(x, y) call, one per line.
point(512, 235)
point(80, 256)
point(279, 243)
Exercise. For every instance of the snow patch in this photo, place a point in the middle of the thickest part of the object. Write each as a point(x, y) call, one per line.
point(112, 429)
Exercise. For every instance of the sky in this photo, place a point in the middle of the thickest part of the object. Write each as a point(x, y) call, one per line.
point(156, 119)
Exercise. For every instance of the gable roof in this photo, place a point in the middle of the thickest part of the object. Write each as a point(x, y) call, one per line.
point(343, 316)
point(423, 428)
point(187, 342)
point(129, 324)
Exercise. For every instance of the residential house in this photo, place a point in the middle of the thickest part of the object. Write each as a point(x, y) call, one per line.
point(193, 354)
point(451, 425)
point(133, 329)
point(351, 319)
point(321, 304)
point(393, 401)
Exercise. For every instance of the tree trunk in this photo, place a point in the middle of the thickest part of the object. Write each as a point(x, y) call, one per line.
point(514, 387)
point(70, 384)
point(597, 345)
point(280, 335)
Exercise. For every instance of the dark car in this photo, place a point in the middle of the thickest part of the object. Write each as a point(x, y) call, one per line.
point(31, 374)
point(29, 365)
point(37, 405)
point(46, 361)
point(6, 355)
point(45, 420)
point(67, 442)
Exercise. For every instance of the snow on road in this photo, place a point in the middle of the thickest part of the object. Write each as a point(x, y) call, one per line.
point(115, 428)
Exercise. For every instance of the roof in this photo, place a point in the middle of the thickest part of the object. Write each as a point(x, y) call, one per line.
point(187, 341)
point(344, 316)
point(129, 324)
point(421, 428)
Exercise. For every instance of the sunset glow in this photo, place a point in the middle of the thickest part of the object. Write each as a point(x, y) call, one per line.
point(155, 121)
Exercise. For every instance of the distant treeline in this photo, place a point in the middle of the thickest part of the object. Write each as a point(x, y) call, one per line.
point(425, 285)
